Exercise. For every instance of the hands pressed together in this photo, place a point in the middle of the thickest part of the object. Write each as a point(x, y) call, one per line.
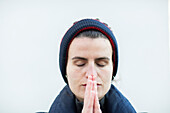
point(91, 101)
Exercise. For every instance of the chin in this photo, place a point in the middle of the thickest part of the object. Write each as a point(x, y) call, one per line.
point(100, 96)
point(81, 99)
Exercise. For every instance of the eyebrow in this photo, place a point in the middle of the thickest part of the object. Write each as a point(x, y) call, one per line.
point(103, 58)
point(81, 58)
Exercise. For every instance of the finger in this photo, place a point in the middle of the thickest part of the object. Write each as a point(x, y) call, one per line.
point(88, 86)
point(89, 97)
point(94, 77)
point(96, 105)
point(96, 100)
point(88, 106)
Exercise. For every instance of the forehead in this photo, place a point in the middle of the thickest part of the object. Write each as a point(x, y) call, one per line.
point(89, 46)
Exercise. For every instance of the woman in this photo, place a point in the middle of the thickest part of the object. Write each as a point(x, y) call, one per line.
point(88, 63)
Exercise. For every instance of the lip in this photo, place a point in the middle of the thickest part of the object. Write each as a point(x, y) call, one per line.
point(84, 84)
point(98, 84)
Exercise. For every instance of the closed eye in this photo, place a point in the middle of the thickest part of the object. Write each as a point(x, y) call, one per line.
point(102, 62)
point(100, 65)
point(79, 61)
point(80, 65)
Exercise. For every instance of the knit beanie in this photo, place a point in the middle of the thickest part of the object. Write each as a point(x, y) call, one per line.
point(74, 30)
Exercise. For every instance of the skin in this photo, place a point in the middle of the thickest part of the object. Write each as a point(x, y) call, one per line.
point(89, 70)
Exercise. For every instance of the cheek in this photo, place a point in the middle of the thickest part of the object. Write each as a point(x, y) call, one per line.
point(106, 74)
point(73, 71)
point(74, 74)
point(75, 78)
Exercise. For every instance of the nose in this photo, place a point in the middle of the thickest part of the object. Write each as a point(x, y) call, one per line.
point(91, 71)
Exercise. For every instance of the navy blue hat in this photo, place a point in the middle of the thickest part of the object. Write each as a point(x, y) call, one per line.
point(82, 25)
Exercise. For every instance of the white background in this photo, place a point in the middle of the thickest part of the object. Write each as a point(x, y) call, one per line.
point(30, 34)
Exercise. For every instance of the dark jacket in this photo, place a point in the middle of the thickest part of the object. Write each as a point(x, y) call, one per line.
point(115, 102)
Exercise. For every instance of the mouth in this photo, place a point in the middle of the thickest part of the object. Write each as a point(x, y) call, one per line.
point(97, 85)
point(84, 85)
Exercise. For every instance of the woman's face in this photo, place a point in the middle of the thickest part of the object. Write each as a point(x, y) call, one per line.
point(89, 57)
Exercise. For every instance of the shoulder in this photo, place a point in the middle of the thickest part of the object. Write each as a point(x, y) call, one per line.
point(117, 102)
point(64, 102)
